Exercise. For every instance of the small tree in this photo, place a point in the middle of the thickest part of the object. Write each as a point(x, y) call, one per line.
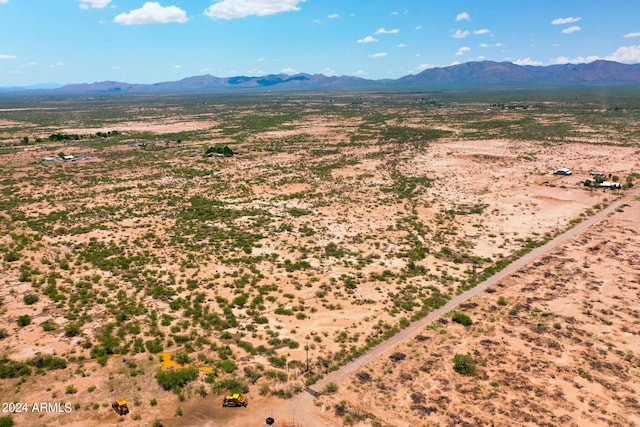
point(464, 364)
point(30, 299)
point(461, 318)
point(24, 320)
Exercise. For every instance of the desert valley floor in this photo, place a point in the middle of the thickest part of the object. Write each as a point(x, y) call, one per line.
point(141, 259)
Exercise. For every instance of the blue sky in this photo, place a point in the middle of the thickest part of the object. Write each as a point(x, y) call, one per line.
point(138, 41)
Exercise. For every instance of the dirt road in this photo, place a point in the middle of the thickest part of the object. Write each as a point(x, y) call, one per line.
point(308, 415)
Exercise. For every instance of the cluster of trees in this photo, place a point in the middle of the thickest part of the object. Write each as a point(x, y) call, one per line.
point(225, 151)
point(107, 134)
point(59, 136)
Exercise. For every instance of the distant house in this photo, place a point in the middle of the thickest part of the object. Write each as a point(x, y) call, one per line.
point(563, 171)
point(602, 184)
point(609, 184)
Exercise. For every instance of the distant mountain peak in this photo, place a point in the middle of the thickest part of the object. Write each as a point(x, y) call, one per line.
point(467, 75)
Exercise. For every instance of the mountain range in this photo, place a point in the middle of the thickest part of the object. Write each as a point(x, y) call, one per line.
point(469, 75)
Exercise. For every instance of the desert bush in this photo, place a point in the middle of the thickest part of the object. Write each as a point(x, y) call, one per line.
point(363, 376)
point(6, 421)
point(464, 364)
point(24, 320)
point(176, 379)
point(30, 299)
point(72, 330)
point(154, 346)
point(13, 369)
point(47, 361)
point(462, 319)
point(228, 366)
point(397, 356)
point(49, 326)
point(330, 388)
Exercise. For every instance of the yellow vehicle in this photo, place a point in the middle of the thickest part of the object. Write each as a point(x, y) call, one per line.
point(234, 400)
point(120, 406)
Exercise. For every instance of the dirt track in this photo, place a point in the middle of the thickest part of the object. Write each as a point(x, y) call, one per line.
point(308, 415)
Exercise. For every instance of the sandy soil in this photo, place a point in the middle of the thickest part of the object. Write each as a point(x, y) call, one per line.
point(555, 342)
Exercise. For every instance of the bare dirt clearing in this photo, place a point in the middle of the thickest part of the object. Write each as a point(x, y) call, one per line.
point(315, 241)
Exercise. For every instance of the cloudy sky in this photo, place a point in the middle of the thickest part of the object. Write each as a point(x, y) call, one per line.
point(137, 41)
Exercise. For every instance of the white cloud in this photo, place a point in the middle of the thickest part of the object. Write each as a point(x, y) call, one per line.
point(7, 56)
point(116, 67)
point(423, 67)
point(383, 31)
point(56, 65)
point(152, 13)
point(631, 35)
point(578, 60)
point(462, 50)
point(359, 73)
point(402, 45)
point(378, 55)
point(328, 72)
point(96, 4)
point(527, 61)
point(231, 9)
point(570, 30)
point(368, 39)
point(334, 16)
point(4, 1)
point(418, 27)
point(464, 16)
point(629, 54)
point(563, 21)
point(482, 31)
point(459, 34)
point(177, 67)
point(289, 70)
point(261, 59)
point(487, 45)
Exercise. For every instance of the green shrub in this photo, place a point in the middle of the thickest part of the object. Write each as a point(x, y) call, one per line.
point(153, 346)
point(24, 320)
point(13, 369)
point(72, 330)
point(30, 299)
point(330, 388)
point(6, 421)
point(464, 364)
point(47, 361)
point(227, 365)
point(462, 319)
point(48, 326)
point(176, 379)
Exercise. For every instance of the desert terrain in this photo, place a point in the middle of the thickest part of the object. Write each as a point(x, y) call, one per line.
point(136, 266)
